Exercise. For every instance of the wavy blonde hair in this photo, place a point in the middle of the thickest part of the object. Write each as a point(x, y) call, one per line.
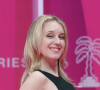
point(32, 54)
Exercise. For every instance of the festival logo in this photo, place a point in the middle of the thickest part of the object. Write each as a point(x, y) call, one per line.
point(14, 62)
point(88, 50)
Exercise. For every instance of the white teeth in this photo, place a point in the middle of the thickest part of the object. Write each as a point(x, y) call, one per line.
point(55, 49)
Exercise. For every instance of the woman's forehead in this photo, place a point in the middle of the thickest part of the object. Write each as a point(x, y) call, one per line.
point(53, 26)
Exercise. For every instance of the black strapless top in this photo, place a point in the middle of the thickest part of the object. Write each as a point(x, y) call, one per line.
point(60, 83)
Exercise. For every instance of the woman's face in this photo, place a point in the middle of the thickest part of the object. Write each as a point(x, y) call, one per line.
point(53, 41)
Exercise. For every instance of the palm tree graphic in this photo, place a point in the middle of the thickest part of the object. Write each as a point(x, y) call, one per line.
point(88, 50)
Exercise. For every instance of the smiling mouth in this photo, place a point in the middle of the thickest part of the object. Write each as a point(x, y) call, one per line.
point(55, 48)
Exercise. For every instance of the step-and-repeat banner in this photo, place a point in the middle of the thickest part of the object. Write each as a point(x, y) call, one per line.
point(82, 18)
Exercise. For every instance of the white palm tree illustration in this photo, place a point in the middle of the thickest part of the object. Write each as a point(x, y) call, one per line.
point(89, 50)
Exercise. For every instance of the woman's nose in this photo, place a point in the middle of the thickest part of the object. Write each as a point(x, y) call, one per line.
point(57, 41)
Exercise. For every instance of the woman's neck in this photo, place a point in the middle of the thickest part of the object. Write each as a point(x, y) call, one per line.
point(50, 66)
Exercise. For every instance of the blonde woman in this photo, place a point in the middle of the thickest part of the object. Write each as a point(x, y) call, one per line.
point(44, 53)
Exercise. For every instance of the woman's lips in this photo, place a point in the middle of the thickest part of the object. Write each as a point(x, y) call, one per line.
point(55, 49)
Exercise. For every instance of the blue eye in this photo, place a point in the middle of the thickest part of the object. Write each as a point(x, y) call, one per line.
point(61, 37)
point(49, 35)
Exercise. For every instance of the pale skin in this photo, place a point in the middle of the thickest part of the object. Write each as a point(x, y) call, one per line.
point(52, 47)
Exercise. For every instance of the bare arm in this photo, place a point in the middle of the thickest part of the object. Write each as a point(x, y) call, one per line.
point(36, 81)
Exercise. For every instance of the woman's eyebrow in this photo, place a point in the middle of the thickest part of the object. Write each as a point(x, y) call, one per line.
point(62, 34)
point(50, 32)
point(53, 32)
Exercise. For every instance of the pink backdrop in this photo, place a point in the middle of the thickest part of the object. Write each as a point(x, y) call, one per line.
point(82, 18)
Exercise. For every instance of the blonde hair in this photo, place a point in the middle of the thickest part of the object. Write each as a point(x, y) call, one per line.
point(33, 42)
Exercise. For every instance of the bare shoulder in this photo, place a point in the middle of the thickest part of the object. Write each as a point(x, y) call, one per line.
point(34, 81)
